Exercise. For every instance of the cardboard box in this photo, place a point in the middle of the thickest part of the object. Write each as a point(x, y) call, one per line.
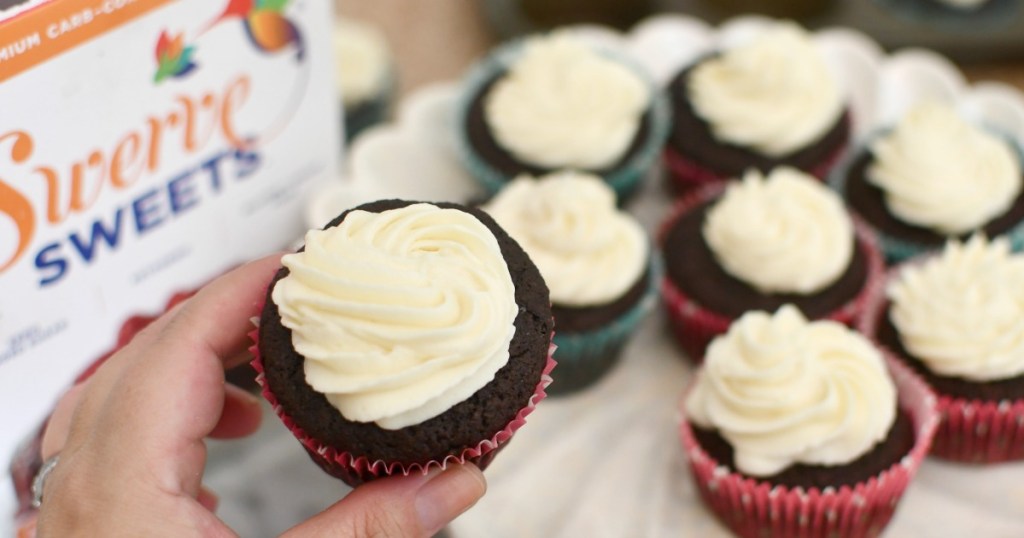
point(145, 147)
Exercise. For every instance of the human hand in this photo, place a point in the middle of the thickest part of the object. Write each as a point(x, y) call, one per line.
point(131, 445)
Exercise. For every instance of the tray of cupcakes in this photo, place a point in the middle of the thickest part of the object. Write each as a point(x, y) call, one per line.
point(830, 232)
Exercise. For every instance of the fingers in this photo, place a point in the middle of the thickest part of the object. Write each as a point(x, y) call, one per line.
point(400, 506)
point(59, 423)
point(240, 416)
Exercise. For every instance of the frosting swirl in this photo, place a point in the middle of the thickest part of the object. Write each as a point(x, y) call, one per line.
point(786, 233)
point(774, 94)
point(563, 105)
point(962, 313)
point(940, 172)
point(401, 314)
point(783, 391)
point(362, 61)
point(588, 251)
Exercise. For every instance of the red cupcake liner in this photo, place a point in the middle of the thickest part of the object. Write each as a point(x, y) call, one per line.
point(355, 470)
point(694, 326)
point(757, 509)
point(971, 430)
point(688, 175)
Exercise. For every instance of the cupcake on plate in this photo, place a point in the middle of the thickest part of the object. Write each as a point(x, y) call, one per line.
point(770, 102)
point(404, 336)
point(758, 244)
point(797, 428)
point(364, 75)
point(552, 102)
point(596, 260)
point(933, 177)
point(957, 318)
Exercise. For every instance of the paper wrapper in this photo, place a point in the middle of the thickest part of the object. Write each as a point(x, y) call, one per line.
point(624, 178)
point(355, 470)
point(687, 175)
point(694, 326)
point(757, 509)
point(585, 357)
point(970, 431)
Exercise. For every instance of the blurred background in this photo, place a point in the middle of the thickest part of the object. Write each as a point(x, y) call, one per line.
point(437, 40)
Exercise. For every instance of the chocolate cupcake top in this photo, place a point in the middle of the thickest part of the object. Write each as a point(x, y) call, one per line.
point(362, 62)
point(563, 104)
point(774, 94)
point(588, 251)
point(786, 233)
point(940, 172)
point(784, 391)
point(962, 313)
point(400, 314)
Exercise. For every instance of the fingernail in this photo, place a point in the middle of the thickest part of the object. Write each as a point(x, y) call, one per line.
point(447, 495)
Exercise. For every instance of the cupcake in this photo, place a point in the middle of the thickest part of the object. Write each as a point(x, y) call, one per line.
point(933, 177)
point(595, 259)
point(364, 75)
point(552, 102)
point(770, 102)
point(758, 244)
point(404, 336)
point(957, 318)
point(797, 428)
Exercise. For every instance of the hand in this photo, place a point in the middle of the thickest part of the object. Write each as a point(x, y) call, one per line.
point(131, 446)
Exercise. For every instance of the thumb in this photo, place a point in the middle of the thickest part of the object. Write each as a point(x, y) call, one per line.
point(399, 506)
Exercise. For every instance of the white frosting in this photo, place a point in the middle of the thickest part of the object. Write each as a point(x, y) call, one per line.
point(361, 57)
point(940, 172)
point(962, 313)
point(588, 251)
point(783, 391)
point(563, 105)
point(786, 233)
point(399, 315)
point(774, 94)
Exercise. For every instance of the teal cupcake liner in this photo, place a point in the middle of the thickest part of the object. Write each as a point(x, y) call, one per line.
point(368, 113)
point(584, 358)
point(624, 179)
point(895, 249)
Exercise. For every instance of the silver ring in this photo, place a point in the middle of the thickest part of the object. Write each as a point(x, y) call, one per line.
point(40, 480)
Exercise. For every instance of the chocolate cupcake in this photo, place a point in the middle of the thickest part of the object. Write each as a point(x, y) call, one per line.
point(956, 319)
point(364, 74)
point(596, 260)
point(797, 428)
point(933, 177)
point(404, 336)
point(757, 244)
point(767, 103)
point(553, 102)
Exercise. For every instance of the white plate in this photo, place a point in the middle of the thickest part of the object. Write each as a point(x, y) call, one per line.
point(607, 462)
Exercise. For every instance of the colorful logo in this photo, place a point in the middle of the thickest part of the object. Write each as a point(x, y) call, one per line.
point(173, 58)
point(266, 25)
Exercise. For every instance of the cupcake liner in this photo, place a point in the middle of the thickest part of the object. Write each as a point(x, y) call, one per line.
point(624, 179)
point(584, 357)
point(694, 326)
point(355, 470)
point(971, 430)
point(688, 175)
point(756, 509)
point(370, 112)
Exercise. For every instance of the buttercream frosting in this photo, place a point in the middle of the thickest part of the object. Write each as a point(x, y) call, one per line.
point(588, 251)
point(399, 315)
point(774, 94)
point(786, 233)
point(962, 313)
point(563, 105)
point(940, 172)
point(783, 391)
point(361, 57)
